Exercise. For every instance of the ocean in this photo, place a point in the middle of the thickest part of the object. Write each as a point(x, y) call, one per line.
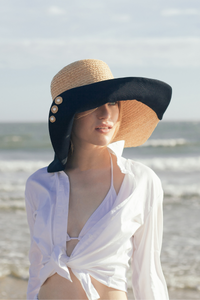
point(173, 152)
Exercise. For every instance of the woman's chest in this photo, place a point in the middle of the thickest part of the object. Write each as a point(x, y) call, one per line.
point(83, 202)
point(87, 195)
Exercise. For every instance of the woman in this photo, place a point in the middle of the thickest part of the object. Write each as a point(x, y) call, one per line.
point(91, 211)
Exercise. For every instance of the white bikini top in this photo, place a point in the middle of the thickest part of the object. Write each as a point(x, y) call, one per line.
point(105, 206)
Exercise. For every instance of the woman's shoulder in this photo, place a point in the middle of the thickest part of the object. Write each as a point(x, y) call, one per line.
point(147, 184)
point(41, 178)
point(39, 174)
point(143, 174)
point(39, 187)
point(140, 169)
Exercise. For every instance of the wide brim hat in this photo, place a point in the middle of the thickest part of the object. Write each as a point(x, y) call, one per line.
point(88, 84)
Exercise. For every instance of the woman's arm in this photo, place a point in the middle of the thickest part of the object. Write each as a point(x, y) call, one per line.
point(147, 277)
point(35, 255)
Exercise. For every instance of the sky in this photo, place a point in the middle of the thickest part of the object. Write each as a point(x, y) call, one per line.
point(146, 38)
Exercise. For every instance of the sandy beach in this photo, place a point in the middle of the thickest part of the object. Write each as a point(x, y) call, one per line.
point(14, 288)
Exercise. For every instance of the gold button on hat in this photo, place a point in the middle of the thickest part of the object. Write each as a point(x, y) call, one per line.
point(54, 109)
point(52, 119)
point(58, 100)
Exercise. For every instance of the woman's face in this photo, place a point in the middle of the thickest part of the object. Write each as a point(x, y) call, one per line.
point(96, 127)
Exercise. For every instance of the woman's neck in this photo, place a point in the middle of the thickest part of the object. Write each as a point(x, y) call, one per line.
point(95, 157)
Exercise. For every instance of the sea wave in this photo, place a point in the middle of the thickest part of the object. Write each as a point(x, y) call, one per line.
point(17, 267)
point(11, 187)
point(12, 204)
point(184, 164)
point(179, 192)
point(165, 142)
point(21, 165)
point(13, 138)
point(176, 277)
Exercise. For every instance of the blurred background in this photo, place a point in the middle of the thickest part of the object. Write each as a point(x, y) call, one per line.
point(148, 38)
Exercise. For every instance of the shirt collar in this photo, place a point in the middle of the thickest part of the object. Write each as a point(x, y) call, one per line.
point(117, 148)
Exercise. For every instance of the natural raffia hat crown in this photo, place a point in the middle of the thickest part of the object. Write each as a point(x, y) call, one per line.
point(79, 73)
point(87, 84)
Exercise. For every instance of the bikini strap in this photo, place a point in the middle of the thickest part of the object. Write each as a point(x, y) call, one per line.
point(111, 169)
point(112, 189)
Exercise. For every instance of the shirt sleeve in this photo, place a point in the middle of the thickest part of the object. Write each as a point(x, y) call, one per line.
point(148, 281)
point(35, 256)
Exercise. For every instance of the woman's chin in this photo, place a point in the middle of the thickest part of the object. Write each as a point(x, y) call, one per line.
point(103, 142)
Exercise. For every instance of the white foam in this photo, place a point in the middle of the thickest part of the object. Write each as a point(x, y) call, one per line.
point(184, 164)
point(12, 204)
point(17, 269)
point(13, 138)
point(10, 187)
point(165, 142)
point(21, 165)
point(182, 190)
point(184, 281)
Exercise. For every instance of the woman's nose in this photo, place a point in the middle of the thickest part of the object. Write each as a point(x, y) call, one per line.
point(103, 112)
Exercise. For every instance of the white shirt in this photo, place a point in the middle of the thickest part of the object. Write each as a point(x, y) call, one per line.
point(132, 229)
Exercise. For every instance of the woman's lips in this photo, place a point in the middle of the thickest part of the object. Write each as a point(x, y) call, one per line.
point(103, 129)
